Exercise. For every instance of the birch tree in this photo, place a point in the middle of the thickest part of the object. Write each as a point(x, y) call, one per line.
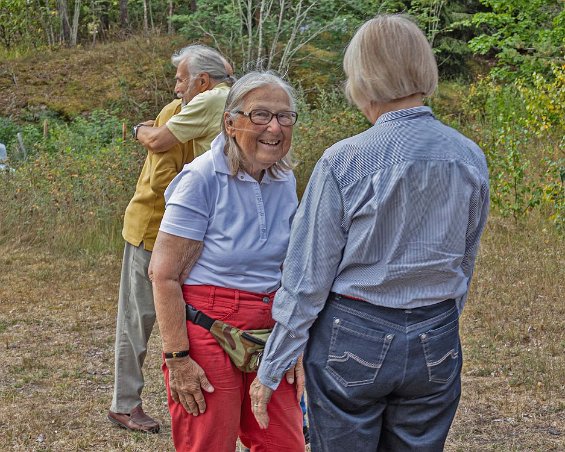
point(262, 34)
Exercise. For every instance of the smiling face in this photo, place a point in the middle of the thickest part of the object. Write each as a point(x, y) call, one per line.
point(261, 145)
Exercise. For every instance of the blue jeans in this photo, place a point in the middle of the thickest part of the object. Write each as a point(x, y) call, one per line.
point(303, 408)
point(382, 379)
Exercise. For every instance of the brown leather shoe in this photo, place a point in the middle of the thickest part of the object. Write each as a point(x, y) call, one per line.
point(137, 421)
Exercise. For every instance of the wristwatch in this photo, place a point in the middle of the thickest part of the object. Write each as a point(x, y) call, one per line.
point(134, 130)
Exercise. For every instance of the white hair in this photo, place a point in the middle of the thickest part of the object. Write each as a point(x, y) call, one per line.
point(234, 103)
point(203, 59)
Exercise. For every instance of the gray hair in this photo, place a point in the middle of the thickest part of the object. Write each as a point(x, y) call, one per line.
point(234, 103)
point(200, 58)
point(389, 58)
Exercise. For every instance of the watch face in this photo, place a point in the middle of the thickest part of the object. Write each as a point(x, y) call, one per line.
point(134, 132)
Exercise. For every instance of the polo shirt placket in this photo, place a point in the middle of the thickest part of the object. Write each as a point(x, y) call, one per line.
point(244, 177)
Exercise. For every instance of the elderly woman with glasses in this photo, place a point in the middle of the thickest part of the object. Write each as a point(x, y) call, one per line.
point(220, 249)
point(380, 260)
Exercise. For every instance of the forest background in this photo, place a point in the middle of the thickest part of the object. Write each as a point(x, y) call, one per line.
point(75, 75)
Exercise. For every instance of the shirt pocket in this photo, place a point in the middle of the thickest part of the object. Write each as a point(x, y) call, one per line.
point(356, 353)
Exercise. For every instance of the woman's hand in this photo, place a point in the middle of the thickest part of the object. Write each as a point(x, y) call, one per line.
point(297, 373)
point(260, 397)
point(261, 394)
point(186, 378)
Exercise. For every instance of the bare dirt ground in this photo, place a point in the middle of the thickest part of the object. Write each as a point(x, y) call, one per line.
point(57, 319)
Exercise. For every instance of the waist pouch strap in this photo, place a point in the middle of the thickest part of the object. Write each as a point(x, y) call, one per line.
point(198, 317)
point(245, 348)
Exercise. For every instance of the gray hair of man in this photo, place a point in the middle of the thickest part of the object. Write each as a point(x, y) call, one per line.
point(235, 102)
point(389, 58)
point(200, 58)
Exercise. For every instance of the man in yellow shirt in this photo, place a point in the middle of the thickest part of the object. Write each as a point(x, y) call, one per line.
point(183, 130)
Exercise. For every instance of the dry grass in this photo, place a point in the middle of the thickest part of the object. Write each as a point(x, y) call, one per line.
point(514, 343)
point(134, 76)
point(57, 319)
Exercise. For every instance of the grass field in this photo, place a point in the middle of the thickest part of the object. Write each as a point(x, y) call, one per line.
point(57, 317)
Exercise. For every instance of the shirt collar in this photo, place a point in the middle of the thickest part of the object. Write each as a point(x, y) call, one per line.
point(221, 164)
point(218, 156)
point(404, 114)
point(222, 85)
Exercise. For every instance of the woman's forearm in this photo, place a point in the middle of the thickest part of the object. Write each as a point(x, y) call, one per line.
point(169, 306)
point(171, 261)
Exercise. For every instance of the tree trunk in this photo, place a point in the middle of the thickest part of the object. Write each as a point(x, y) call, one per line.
point(46, 23)
point(171, 28)
point(105, 7)
point(124, 22)
point(145, 22)
point(151, 17)
point(65, 33)
point(193, 5)
point(74, 30)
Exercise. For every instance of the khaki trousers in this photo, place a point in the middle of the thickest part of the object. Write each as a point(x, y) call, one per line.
point(136, 317)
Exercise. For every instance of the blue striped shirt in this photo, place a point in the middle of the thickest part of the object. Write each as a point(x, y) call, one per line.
point(392, 216)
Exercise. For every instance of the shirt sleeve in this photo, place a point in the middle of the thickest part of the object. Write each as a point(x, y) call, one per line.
point(194, 119)
point(188, 206)
point(164, 167)
point(477, 222)
point(315, 250)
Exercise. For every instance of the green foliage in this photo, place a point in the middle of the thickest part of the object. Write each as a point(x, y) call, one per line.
point(554, 192)
point(261, 34)
point(8, 131)
point(84, 134)
point(328, 25)
point(19, 25)
point(525, 36)
point(329, 120)
point(72, 190)
point(520, 126)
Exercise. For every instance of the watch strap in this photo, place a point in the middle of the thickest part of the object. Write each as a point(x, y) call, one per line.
point(181, 354)
point(135, 129)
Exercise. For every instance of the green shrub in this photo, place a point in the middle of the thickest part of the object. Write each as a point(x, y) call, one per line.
point(72, 190)
point(8, 131)
point(329, 120)
point(520, 125)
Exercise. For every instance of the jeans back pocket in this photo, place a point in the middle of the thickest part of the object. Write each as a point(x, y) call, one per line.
point(356, 353)
point(442, 352)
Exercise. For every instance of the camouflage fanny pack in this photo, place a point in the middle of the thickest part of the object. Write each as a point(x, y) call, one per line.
point(244, 347)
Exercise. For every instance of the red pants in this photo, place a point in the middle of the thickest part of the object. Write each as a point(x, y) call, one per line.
point(228, 409)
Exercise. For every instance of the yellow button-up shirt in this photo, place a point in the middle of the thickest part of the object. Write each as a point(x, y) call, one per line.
point(145, 210)
point(200, 119)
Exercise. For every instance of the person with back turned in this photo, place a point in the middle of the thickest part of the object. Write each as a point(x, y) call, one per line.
point(380, 260)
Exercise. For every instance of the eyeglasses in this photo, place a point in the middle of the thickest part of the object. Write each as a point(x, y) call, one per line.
point(264, 117)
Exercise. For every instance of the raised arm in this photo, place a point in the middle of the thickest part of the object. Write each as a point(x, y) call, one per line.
point(156, 139)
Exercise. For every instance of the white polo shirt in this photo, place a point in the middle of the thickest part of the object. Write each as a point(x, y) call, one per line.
point(244, 224)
